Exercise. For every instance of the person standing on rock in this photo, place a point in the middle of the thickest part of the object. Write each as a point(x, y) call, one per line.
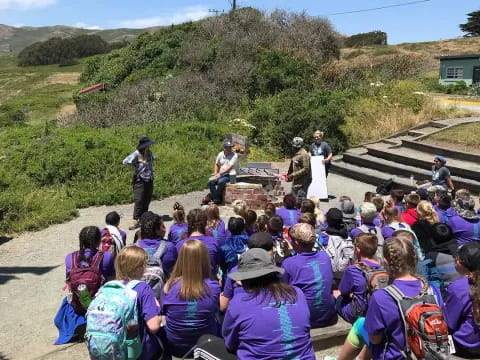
point(320, 147)
point(299, 170)
point(142, 161)
point(224, 171)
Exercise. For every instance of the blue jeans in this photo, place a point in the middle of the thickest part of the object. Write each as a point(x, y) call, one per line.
point(217, 186)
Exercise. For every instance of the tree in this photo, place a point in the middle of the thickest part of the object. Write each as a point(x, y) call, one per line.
point(472, 26)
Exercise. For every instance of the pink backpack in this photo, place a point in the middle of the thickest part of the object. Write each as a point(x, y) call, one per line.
point(90, 276)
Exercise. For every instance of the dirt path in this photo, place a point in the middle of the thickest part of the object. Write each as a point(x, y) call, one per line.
point(32, 274)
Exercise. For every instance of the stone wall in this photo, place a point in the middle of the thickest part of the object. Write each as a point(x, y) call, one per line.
point(254, 194)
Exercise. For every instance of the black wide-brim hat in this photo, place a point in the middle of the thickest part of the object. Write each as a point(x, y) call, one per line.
point(144, 142)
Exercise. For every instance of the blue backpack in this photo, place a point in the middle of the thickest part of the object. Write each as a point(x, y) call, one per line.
point(107, 334)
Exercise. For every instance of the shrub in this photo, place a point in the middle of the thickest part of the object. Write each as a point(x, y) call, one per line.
point(363, 39)
point(278, 119)
point(12, 115)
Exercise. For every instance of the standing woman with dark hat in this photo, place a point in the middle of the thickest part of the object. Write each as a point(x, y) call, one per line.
point(142, 161)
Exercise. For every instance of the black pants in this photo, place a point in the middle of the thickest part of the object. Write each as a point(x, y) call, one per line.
point(142, 195)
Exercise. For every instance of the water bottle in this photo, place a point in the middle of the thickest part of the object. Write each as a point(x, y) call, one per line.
point(358, 217)
point(84, 295)
point(132, 329)
point(412, 180)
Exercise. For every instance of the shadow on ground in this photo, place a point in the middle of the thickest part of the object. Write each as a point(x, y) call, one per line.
point(8, 273)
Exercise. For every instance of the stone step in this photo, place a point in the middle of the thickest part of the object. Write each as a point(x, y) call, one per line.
point(404, 171)
point(436, 150)
point(461, 168)
point(369, 176)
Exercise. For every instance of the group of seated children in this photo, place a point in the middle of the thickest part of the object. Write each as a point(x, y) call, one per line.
point(259, 284)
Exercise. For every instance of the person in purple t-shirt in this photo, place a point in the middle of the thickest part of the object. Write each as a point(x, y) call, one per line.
point(131, 264)
point(190, 299)
point(268, 319)
point(397, 196)
point(466, 224)
point(383, 321)
point(179, 226)
point(66, 319)
point(289, 212)
point(444, 208)
point(379, 205)
point(215, 224)
point(260, 240)
point(153, 231)
point(352, 294)
point(462, 304)
point(197, 223)
point(311, 271)
point(368, 212)
point(392, 221)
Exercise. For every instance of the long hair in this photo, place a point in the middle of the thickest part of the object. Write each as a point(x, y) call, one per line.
point(191, 269)
point(89, 238)
point(426, 212)
point(213, 216)
point(178, 213)
point(269, 287)
point(130, 263)
point(261, 223)
point(197, 221)
point(469, 255)
point(390, 212)
point(150, 224)
point(401, 256)
point(240, 208)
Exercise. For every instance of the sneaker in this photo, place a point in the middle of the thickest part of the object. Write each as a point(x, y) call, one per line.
point(135, 225)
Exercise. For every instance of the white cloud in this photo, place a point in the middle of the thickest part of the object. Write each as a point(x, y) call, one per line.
point(85, 26)
point(25, 4)
point(191, 13)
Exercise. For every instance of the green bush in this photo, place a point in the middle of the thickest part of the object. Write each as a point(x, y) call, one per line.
point(12, 115)
point(278, 119)
point(363, 39)
point(46, 175)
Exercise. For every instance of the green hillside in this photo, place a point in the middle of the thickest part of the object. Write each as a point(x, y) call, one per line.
point(14, 39)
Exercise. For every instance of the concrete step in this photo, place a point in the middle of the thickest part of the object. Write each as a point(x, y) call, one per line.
point(436, 150)
point(324, 338)
point(404, 171)
point(369, 176)
point(461, 168)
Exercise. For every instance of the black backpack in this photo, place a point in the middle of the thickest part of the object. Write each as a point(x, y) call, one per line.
point(385, 187)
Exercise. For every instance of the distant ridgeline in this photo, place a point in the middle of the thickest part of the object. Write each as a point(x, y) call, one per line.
point(64, 51)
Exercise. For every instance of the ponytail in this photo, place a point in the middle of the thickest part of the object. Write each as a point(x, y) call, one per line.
point(474, 281)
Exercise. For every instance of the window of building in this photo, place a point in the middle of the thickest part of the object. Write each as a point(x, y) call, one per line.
point(454, 72)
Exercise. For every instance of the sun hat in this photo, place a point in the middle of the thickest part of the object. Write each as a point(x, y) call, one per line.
point(144, 142)
point(253, 264)
point(465, 207)
point(368, 211)
point(303, 232)
point(227, 144)
point(297, 142)
point(347, 207)
point(441, 159)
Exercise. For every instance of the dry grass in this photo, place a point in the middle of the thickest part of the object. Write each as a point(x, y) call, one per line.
point(64, 78)
point(463, 136)
point(371, 120)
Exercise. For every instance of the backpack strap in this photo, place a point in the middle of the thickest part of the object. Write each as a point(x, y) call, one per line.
point(161, 250)
point(97, 260)
point(398, 296)
point(75, 262)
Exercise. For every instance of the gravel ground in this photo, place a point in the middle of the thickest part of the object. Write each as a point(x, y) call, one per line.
point(32, 275)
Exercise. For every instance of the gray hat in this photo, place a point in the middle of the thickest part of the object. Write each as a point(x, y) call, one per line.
point(253, 264)
point(297, 142)
point(465, 207)
point(347, 207)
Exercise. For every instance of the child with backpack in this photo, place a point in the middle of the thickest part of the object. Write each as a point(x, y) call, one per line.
point(113, 238)
point(409, 306)
point(86, 271)
point(235, 245)
point(462, 304)
point(179, 226)
point(368, 212)
point(124, 317)
point(162, 254)
point(190, 299)
point(311, 271)
point(281, 248)
point(360, 279)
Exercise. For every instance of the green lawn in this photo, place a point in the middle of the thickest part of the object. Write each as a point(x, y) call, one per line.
point(41, 91)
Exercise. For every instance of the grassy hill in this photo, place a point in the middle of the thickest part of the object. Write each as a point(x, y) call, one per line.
point(14, 39)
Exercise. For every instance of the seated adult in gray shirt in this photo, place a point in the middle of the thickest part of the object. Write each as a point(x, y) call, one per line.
point(320, 147)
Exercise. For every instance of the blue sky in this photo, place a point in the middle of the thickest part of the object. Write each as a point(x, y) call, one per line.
point(429, 20)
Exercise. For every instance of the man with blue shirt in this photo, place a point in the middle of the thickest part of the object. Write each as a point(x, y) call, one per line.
point(320, 147)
